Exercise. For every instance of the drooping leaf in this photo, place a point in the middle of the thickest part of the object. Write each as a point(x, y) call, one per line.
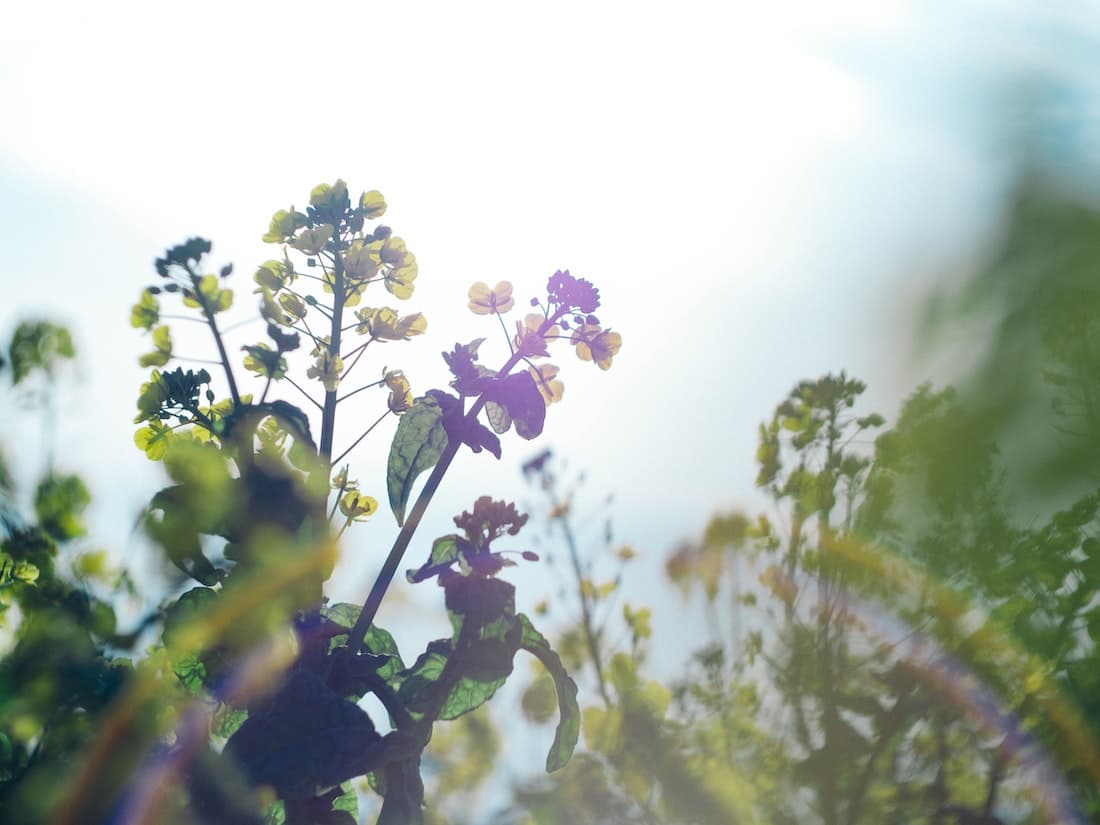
point(417, 445)
point(569, 724)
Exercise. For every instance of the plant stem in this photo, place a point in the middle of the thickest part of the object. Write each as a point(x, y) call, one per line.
point(217, 340)
point(328, 412)
point(401, 543)
point(586, 610)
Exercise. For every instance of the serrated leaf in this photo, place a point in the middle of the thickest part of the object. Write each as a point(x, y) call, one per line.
point(569, 723)
point(417, 445)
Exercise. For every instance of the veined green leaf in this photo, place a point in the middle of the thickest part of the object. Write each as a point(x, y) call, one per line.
point(417, 445)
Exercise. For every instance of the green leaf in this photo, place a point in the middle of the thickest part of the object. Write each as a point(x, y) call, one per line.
point(569, 724)
point(276, 814)
point(376, 641)
point(469, 694)
point(226, 720)
point(417, 445)
point(347, 801)
point(192, 673)
point(419, 683)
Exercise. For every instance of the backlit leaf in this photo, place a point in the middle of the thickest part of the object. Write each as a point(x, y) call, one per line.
point(569, 724)
point(417, 445)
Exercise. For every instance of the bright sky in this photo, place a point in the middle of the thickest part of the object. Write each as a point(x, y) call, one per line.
point(757, 189)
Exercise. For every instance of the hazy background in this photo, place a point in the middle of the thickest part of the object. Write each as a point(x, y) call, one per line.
point(761, 192)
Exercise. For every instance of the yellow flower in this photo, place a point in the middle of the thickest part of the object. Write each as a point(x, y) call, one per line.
point(361, 262)
point(373, 204)
point(312, 241)
point(528, 341)
point(485, 301)
point(401, 397)
point(293, 305)
point(399, 281)
point(327, 369)
point(274, 275)
point(210, 294)
point(323, 195)
point(384, 324)
point(595, 344)
point(394, 254)
point(356, 507)
point(545, 376)
point(146, 311)
point(270, 309)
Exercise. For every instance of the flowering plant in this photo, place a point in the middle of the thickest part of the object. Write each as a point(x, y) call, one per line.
point(262, 490)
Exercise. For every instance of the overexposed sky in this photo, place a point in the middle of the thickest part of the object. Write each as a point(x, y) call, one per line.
point(759, 190)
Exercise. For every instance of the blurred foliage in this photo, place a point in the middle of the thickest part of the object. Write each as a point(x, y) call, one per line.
point(910, 633)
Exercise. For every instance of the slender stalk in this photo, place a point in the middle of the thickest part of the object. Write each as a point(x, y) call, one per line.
point(364, 387)
point(328, 412)
point(358, 351)
point(355, 443)
point(210, 322)
point(586, 609)
point(309, 397)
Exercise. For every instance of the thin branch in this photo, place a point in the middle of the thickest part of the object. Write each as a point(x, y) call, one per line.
point(309, 397)
point(364, 387)
point(241, 323)
point(355, 443)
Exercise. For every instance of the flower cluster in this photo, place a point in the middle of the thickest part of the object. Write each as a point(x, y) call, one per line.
point(568, 314)
point(489, 521)
point(571, 294)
